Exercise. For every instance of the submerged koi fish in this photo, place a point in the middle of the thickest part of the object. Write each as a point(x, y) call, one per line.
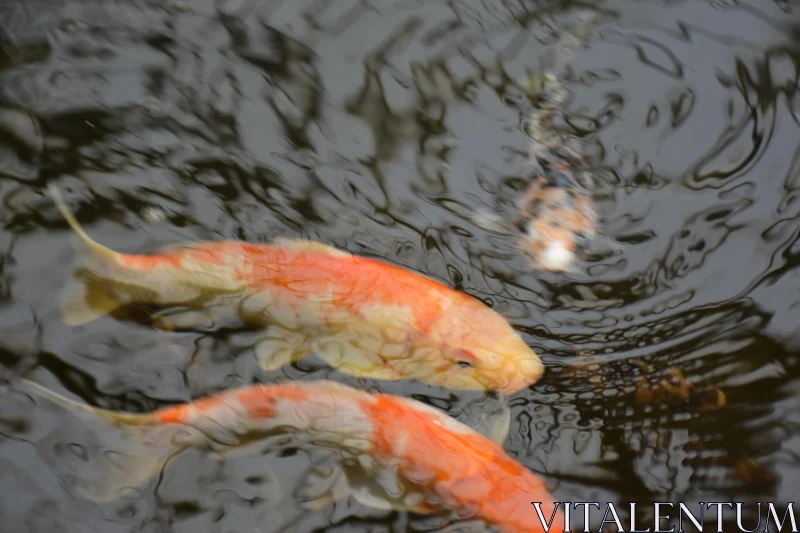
point(395, 453)
point(556, 219)
point(557, 215)
point(362, 316)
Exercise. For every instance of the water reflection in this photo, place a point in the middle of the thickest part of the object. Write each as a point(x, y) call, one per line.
point(379, 128)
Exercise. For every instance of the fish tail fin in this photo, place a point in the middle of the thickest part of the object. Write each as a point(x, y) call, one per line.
point(87, 241)
point(85, 297)
point(132, 448)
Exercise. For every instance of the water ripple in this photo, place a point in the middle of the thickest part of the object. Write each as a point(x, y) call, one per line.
point(382, 128)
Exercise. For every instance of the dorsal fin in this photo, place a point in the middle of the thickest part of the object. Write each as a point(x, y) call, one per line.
point(182, 247)
point(308, 245)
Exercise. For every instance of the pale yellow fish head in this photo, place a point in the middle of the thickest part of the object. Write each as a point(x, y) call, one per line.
point(480, 350)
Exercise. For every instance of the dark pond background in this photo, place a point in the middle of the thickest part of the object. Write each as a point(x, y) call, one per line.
point(379, 126)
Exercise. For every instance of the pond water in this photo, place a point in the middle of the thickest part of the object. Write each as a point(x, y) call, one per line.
point(380, 127)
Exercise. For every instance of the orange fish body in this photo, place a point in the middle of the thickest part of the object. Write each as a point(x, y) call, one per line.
point(441, 465)
point(464, 469)
point(362, 316)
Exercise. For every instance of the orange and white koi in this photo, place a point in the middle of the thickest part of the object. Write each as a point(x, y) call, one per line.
point(362, 316)
point(395, 453)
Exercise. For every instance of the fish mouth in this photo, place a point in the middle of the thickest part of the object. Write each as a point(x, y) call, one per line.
point(527, 373)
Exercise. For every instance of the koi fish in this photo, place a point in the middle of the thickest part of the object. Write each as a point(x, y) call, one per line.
point(395, 453)
point(556, 218)
point(557, 214)
point(362, 316)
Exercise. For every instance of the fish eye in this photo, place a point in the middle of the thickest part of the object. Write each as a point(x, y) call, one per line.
point(464, 359)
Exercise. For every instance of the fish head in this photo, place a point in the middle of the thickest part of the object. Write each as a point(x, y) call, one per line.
point(479, 350)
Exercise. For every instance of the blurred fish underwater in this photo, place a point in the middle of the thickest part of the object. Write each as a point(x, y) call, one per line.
point(400, 131)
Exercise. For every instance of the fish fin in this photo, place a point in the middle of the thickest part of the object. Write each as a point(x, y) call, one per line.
point(346, 357)
point(84, 298)
point(131, 450)
point(129, 457)
point(501, 426)
point(381, 488)
point(308, 246)
point(322, 485)
point(186, 318)
point(34, 389)
point(281, 347)
point(367, 496)
point(489, 417)
point(181, 247)
point(84, 238)
point(332, 479)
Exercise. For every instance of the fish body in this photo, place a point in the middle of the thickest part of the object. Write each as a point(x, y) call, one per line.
point(415, 457)
point(556, 218)
point(557, 215)
point(362, 316)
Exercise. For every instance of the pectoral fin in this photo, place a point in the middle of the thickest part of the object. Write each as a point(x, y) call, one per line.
point(281, 347)
point(381, 488)
point(187, 319)
point(348, 358)
point(332, 479)
point(323, 484)
point(308, 245)
point(215, 313)
point(490, 416)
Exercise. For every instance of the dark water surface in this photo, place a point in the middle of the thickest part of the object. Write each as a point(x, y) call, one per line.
point(377, 126)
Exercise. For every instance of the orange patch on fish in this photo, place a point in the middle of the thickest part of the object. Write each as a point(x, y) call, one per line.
point(259, 402)
point(149, 261)
point(207, 255)
point(458, 464)
point(292, 275)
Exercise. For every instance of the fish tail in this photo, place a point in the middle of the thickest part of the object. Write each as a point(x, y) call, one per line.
point(65, 211)
point(132, 449)
point(85, 296)
point(82, 409)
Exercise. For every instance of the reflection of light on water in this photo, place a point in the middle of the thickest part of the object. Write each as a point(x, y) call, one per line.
point(153, 214)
